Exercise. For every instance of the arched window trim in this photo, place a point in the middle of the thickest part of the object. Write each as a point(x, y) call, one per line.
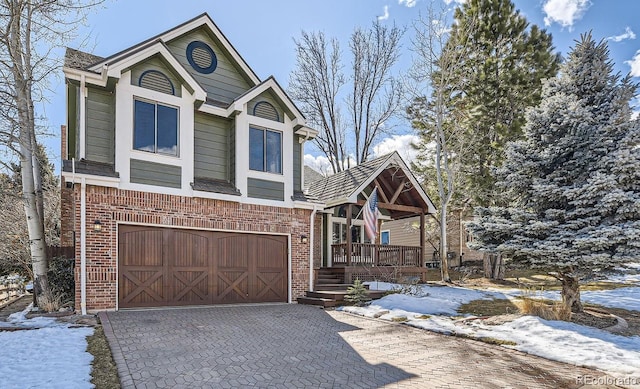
point(153, 71)
point(266, 103)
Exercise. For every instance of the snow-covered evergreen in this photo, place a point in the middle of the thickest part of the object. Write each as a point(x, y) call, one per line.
point(574, 180)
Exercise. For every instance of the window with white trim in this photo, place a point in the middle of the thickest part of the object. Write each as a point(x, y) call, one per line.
point(155, 127)
point(265, 150)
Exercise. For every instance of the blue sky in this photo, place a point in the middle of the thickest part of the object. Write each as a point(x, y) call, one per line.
point(263, 32)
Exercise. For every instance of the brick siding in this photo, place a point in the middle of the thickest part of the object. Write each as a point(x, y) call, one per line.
point(112, 206)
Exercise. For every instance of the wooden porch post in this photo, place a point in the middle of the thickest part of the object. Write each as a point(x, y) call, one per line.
point(422, 240)
point(349, 242)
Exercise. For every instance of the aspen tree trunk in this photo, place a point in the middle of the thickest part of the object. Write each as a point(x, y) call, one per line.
point(31, 175)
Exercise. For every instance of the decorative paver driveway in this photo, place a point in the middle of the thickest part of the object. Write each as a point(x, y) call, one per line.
point(297, 346)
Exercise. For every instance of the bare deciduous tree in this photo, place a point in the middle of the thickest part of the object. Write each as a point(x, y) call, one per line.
point(433, 111)
point(29, 32)
point(318, 82)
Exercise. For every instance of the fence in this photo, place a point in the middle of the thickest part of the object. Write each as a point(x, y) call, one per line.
point(10, 292)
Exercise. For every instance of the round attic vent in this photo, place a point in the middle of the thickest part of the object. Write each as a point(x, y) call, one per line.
point(201, 57)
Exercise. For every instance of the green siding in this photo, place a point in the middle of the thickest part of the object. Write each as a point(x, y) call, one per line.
point(211, 147)
point(263, 189)
point(100, 128)
point(72, 121)
point(151, 173)
point(226, 82)
point(266, 96)
point(297, 154)
point(155, 63)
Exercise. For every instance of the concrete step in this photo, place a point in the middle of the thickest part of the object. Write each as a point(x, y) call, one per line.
point(333, 286)
point(331, 280)
point(324, 302)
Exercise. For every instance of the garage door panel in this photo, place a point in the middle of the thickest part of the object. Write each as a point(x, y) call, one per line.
point(142, 286)
point(167, 266)
point(233, 286)
point(189, 249)
point(270, 286)
point(190, 286)
point(141, 248)
point(232, 252)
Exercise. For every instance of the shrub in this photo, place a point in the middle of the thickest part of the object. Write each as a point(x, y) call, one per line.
point(50, 301)
point(357, 294)
point(556, 311)
point(61, 279)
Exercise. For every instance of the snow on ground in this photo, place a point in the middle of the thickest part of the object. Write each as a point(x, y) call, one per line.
point(625, 298)
point(53, 355)
point(432, 308)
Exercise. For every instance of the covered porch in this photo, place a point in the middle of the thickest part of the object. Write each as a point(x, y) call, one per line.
point(347, 252)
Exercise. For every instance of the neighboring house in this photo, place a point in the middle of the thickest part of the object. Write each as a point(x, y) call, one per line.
point(346, 249)
point(407, 232)
point(182, 176)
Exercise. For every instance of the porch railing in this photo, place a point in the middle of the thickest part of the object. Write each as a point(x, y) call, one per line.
point(376, 255)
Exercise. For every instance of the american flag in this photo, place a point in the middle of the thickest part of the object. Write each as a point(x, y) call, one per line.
point(370, 216)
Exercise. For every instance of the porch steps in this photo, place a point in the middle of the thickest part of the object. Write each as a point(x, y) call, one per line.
point(330, 289)
point(334, 286)
point(324, 302)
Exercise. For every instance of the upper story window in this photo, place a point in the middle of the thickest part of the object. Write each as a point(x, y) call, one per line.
point(155, 128)
point(265, 150)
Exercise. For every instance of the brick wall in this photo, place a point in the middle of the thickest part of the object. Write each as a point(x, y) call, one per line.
point(110, 206)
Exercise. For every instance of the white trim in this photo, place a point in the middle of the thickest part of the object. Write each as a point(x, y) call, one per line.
point(83, 247)
point(115, 69)
point(383, 231)
point(99, 79)
point(124, 150)
point(82, 125)
point(270, 83)
point(312, 230)
point(111, 182)
point(289, 271)
point(213, 110)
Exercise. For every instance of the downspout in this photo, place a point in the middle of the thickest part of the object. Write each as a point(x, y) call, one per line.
point(83, 246)
point(312, 231)
point(83, 118)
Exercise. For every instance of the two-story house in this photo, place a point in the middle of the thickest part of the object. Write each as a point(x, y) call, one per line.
point(182, 176)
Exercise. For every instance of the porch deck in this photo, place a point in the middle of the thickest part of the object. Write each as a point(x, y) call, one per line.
point(375, 262)
point(367, 254)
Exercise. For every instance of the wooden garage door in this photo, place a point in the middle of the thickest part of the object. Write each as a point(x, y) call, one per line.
point(170, 267)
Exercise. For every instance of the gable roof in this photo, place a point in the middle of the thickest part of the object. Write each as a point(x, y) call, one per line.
point(311, 176)
point(77, 59)
point(268, 84)
point(344, 187)
point(341, 185)
point(197, 22)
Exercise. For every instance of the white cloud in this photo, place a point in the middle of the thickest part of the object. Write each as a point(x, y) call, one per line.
point(399, 143)
point(564, 12)
point(408, 3)
point(385, 15)
point(628, 34)
point(320, 163)
point(635, 64)
point(459, 2)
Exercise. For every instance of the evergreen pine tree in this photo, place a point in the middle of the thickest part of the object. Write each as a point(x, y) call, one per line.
point(503, 64)
point(574, 180)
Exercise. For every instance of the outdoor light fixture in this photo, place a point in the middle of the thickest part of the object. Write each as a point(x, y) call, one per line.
point(303, 239)
point(97, 226)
